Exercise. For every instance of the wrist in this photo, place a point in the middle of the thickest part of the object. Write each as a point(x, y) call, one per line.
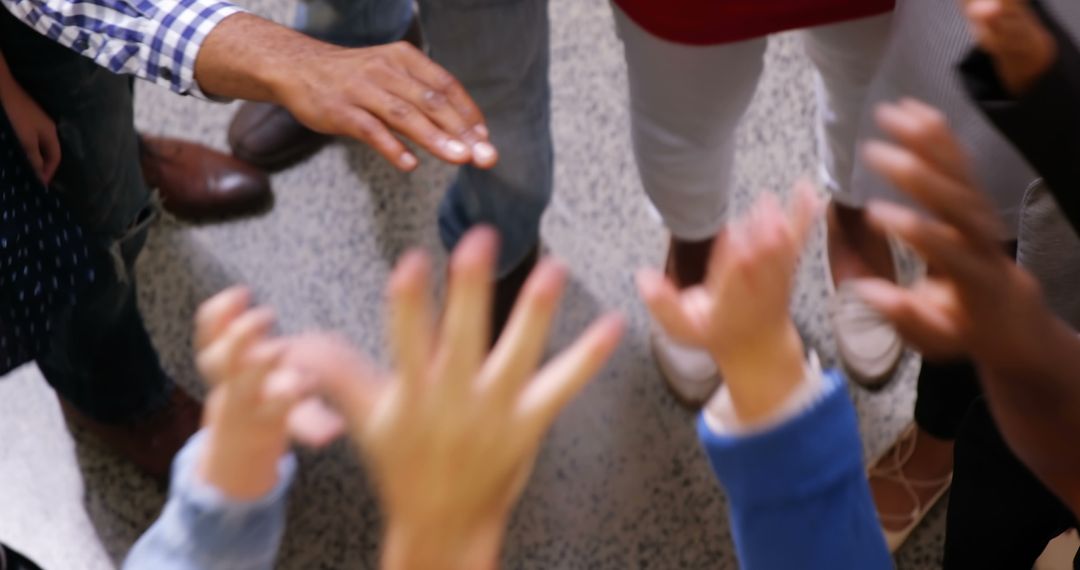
point(762, 374)
point(242, 469)
point(283, 72)
point(434, 545)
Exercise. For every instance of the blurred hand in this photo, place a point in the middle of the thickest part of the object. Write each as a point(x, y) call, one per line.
point(35, 130)
point(975, 300)
point(740, 314)
point(251, 395)
point(1010, 31)
point(451, 435)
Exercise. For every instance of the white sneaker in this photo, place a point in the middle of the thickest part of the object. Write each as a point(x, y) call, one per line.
point(691, 374)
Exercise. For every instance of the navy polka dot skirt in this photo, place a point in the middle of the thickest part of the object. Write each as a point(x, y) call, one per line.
point(45, 262)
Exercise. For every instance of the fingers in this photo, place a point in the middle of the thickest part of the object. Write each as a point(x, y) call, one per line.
point(919, 320)
point(405, 118)
point(943, 247)
point(665, 305)
point(219, 361)
point(314, 424)
point(411, 325)
point(215, 314)
point(49, 144)
point(343, 374)
point(957, 204)
point(521, 345)
point(461, 116)
point(283, 389)
point(924, 131)
point(253, 367)
point(806, 207)
point(465, 333)
point(361, 125)
point(565, 376)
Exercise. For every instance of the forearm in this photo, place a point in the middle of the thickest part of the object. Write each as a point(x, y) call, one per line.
point(243, 58)
point(1036, 403)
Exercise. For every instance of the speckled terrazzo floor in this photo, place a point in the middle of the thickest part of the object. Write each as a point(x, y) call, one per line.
point(620, 484)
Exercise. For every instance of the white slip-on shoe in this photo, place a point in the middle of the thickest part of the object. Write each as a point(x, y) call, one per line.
point(690, 373)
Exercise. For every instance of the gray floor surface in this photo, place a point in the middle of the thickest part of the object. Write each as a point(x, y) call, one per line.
point(620, 484)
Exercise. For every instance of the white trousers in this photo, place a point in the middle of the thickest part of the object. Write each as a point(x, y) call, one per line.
point(686, 102)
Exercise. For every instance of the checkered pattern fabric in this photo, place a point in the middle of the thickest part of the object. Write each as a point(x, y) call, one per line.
point(156, 40)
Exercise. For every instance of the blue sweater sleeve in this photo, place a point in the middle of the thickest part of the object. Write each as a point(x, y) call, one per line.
point(798, 493)
point(200, 529)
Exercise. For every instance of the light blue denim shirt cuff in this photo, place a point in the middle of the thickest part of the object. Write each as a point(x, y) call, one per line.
point(202, 529)
point(189, 488)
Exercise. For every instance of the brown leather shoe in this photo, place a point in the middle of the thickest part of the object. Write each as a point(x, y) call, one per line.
point(507, 289)
point(150, 442)
point(268, 136)
point(197, 183)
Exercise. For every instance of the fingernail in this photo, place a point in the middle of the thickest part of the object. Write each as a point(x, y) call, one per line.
point(408, 161)
point(483, 152)
point(456, 147)
point(482, 131)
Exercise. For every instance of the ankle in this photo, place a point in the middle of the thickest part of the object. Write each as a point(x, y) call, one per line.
point(688, 261)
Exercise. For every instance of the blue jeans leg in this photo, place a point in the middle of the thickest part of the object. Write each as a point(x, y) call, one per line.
point(101, 359)
point(499, 50)
point(354, 23)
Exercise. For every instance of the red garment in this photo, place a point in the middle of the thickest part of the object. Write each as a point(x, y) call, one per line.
point(705, 22)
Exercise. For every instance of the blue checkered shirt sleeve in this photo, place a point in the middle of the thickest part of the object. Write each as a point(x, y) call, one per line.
point(156, 40)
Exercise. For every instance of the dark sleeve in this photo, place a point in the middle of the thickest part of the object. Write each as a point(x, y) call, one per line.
point(1043, 124)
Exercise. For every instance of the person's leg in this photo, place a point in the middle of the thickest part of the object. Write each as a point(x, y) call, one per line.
point(498, 49)
point(1000, 515)
point(686, 103)
point(354, 23)
point(846, 57)
point(267, 135)
point(101, 361)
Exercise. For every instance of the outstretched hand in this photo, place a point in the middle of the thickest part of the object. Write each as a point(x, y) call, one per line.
point(252, 395)
point(975, 300)
point(363, 93)
point(451, 434)
point(740, 314)
point(35, 130)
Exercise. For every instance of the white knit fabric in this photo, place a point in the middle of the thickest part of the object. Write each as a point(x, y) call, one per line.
point(929, 38)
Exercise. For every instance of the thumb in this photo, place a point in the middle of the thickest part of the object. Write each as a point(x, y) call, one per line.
point(342, 374)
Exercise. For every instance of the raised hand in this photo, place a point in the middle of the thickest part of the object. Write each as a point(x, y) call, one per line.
point(1010, 31)
point(974, 300)
point(451, 434)
point(251, 395)
point(740, 314)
